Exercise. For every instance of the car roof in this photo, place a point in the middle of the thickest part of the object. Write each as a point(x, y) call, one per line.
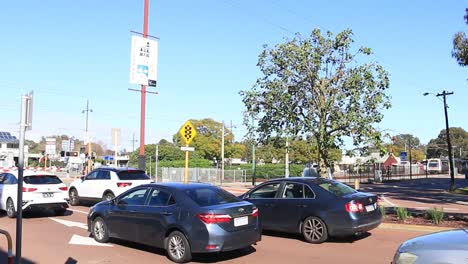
point(315, 180)
point(31, 173)
point(179, 185)
point(119, 169)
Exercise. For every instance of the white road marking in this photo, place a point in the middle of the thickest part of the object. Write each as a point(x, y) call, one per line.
point(387, 201)
point(452, 209)
point(86, 241)
point(78, 211)
point(69, 223)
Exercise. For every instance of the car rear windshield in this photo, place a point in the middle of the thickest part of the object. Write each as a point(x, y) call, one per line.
point(42, 179)
point(211, 196)
point(133, 175)
point(337, 188)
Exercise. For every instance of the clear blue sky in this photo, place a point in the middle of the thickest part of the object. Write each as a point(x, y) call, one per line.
point(68, 51)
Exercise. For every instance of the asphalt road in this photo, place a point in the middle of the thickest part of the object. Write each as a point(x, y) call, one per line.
point(422, 194)
point(50, 239)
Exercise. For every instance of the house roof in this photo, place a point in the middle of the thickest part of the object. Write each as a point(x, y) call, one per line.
point(6, 137)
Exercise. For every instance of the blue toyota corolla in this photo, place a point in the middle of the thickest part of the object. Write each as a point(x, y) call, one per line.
point(181, 218)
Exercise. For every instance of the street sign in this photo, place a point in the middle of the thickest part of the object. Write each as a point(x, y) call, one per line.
point(403, 156)
point(187, 132)
point(68, 145)
point(187, 148)
point(143, 61)
point(50, 146)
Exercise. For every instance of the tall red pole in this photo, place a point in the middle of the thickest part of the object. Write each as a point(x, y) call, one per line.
point(142, 157)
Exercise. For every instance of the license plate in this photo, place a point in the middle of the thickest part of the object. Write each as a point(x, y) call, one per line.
point(370, 208)
point(240, 221)
point(48, 195)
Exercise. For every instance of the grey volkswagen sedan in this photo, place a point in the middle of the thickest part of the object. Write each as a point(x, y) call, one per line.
point(181, 218)
point(447, 247)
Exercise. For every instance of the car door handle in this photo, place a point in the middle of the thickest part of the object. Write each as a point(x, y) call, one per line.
point(269, 205)
point(301, 205)
point(166, 213)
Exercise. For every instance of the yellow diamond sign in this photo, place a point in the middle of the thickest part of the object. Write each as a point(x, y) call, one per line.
point(187, 132)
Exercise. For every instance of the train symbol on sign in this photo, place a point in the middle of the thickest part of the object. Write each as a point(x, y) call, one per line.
point(187, 132)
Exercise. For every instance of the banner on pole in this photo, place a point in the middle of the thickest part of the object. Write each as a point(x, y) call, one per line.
point(143, 61)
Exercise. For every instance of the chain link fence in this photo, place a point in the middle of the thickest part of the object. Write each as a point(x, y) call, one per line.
point(206, 175)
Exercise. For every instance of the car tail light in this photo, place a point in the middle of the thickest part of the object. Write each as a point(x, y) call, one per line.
point(63, 188)
point(354, 207)
point(211, 247)
point(29, 189)
point(214, 218)
point(124, 184)
point(255, 212)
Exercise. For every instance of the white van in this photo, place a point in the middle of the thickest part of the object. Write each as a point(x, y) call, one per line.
point(438, 166)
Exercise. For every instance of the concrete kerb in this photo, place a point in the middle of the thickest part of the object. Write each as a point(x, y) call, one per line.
point(416, 228)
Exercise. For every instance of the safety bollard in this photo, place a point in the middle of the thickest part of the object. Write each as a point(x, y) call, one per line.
point(10, 247)
point(356, 184)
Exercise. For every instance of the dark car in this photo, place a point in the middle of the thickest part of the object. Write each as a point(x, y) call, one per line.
point(315, 207)
point(449, 247)
point(181, 218)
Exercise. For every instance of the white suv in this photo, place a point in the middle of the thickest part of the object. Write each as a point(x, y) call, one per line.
point(40, 191)
point(105, 184)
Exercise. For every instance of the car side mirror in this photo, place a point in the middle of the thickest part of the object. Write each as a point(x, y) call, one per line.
point(82, 178)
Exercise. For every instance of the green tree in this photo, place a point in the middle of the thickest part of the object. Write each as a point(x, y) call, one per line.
point(460, 46)
point(207, 142)
point(437, 147)
point(315, 87)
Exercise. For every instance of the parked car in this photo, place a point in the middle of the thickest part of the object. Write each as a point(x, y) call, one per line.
point(105, 183)
point(41, 190)
point(181, 218)
point(314, 207)
point(448, 247)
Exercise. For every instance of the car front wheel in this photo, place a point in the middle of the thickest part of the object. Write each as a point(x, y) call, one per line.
point(178, 247)
point(314, 230)
point(99, 230)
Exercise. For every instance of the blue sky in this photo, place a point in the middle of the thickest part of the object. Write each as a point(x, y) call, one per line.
point(70, 51)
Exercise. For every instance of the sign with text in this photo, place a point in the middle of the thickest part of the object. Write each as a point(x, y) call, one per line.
point(403, 156)
point(143, 61)
point(50, 148)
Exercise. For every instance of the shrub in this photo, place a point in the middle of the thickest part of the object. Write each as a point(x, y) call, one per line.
point(435, 215)
point(402, 213)
point(382, 211)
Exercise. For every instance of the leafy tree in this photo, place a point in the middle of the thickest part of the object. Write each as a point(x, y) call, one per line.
point(460, 46)
point(207, 143)
point(315, 87)
point(437, 147)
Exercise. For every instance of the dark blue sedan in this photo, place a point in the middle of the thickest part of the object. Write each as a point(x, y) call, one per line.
point(315, 207)
point(181, 218)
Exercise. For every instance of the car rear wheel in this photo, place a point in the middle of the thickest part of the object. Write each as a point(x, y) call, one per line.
point(99, 230)
point(108, 196)
point(178, 247)
point(314, 230)
point(10, 208)
point(74, 198)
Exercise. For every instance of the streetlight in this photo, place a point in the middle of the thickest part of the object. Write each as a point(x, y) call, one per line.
point(447, 131)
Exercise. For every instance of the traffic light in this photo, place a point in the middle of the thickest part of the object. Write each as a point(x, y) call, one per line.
point(71, 154)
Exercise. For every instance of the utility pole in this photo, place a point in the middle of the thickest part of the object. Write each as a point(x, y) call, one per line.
point(142, 157)
point(449, 143)
point(444, 94)
point(253, 158)
point(133, 142)
point(410, 160)
point(222, 153)
point(87, 110)
point(286, 160)
point(156, 161)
